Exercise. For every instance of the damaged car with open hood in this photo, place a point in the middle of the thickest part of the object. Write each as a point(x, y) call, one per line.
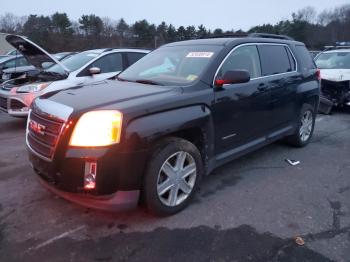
point(87, 67)
point(334, 68)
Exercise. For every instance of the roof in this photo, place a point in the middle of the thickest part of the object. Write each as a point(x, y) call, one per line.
point(345, 50)
point(231, 40)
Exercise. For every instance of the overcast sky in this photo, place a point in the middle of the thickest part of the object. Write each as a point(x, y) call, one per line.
point(225, 14)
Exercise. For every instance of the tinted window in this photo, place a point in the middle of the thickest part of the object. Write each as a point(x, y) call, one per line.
point(243, 58)
point(274, 59)
point(291, 59)
point(304, 56)
point(134, 57)
point(109, 63)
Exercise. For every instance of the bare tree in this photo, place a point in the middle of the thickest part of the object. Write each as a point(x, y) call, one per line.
point(10, 23)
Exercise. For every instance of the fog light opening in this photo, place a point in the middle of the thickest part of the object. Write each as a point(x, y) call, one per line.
point(90, 175)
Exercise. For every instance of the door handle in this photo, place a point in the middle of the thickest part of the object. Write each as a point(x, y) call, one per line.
point(262, 87)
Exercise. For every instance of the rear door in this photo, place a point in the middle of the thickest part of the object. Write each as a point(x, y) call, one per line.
point(240, 109)
point(281, 78)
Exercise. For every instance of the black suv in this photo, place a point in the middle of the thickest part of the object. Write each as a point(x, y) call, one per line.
point(174, 116)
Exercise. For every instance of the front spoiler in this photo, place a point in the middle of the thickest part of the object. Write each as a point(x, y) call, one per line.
point(121, 200)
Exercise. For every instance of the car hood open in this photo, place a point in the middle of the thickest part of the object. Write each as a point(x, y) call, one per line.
point(336, 75)
point(34, 54)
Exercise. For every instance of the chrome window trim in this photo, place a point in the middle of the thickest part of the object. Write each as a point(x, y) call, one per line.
point(257, 44)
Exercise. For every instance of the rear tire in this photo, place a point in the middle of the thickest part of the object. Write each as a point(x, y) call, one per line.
point(305, 127)
point(172, 176)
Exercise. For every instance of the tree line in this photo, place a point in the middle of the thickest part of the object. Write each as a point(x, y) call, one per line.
point(60, 33)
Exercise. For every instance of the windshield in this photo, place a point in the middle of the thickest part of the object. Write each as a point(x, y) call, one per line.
point(334, 60)
point(177, 65)
point(73, 62)
point(59, 56)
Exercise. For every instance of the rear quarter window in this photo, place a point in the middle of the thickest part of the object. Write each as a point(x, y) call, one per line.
point(274, 60)
point(305, 58)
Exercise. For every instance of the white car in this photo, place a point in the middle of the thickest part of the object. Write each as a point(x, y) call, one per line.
point(334, 66)
point(81, 69)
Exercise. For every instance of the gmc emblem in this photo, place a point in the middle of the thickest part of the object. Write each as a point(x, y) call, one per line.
point(36, 127)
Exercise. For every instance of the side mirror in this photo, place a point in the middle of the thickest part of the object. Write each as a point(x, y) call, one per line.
point(233, 77)
point(94, 71)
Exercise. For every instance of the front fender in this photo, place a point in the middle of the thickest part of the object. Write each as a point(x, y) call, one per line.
point(142, 132)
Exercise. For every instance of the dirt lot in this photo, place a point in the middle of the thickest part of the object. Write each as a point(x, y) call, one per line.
point(248, 210)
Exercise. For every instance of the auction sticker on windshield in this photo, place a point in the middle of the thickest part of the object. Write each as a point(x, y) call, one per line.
point(200, 54)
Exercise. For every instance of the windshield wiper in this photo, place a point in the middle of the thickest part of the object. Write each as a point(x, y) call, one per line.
point(148, 82)
point(52, 73)
point(141, 81)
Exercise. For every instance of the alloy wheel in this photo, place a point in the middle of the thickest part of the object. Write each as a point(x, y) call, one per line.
point(306, 126)
point(176, 179)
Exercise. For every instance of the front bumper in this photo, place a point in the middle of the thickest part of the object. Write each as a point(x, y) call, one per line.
point(118, 179)
point(121, 200)
point(337, 92)
point(16, 104)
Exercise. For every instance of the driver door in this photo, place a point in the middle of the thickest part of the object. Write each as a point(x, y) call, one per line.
point(240, 110)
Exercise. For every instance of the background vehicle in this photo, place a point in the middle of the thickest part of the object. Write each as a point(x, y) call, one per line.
point(13, 52)
point(334, 67)
point(175, 115)
point(80, 69)
point(314, 53)
point(22, 71)
point(12, 62)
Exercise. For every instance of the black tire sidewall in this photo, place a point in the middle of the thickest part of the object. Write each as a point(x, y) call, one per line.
point(162, 151)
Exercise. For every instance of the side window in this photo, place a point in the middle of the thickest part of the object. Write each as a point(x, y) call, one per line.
point(304, 56)
point(291, 59)
point(134, 57)
point(243, 58)
point(109, 63)
point(274, 60)
point(10, 64)
point(22, 62)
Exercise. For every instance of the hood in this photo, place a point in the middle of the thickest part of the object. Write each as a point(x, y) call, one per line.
point(107, 93)
point(34, 54)
point(336, 75)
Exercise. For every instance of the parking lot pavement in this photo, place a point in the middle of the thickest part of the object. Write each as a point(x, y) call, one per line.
point(248, 210)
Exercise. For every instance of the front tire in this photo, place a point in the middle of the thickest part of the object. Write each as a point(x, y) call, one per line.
point(305, 127)
point(172, 176)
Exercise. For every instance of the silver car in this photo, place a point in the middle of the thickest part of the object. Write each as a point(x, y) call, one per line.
point(83, 68)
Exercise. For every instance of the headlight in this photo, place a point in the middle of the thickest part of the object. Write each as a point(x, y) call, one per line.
point(97, 128)
point(32, 88)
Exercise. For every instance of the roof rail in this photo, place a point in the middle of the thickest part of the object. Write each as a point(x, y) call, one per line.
point(335, 47)
point(273, 36)
point(107, 50)
point(225, 36)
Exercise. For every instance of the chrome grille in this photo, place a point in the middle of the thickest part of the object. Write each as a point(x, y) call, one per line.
point(42, 134)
